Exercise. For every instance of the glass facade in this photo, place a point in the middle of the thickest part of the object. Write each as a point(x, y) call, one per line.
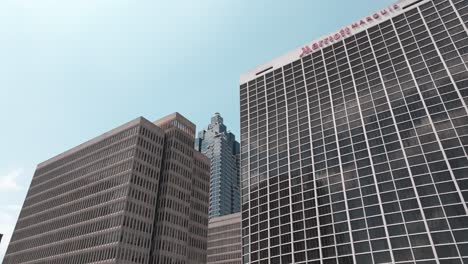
point(357, 153)
point(221, 147)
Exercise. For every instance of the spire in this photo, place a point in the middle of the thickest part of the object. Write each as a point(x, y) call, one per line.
point(216, 119)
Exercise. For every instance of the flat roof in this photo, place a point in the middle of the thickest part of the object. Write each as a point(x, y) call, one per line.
point(180, 118)
point(112, 132)
point(225, 219)
point(327, 40)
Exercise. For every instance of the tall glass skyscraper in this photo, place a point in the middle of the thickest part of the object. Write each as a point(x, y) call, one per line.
point(221, 147)
point(354, 147)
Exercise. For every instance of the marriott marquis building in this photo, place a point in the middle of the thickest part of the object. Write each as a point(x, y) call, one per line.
point(354, 147)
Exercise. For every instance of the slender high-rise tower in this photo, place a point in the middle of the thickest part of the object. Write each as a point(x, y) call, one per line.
point(136, 194)
point(221, 147)
point(354, 147)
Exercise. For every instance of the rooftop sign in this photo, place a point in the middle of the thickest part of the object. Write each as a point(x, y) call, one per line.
point(329, 39)
point(348, 30)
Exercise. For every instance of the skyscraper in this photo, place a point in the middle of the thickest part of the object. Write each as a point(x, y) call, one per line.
point(136, 194)
point(221, 147)
point(354, 147)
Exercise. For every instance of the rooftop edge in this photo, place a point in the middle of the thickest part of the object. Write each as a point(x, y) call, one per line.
point(324, 41)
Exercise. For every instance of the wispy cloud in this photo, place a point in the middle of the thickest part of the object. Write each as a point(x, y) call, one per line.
point(8, 215)
point(8, 182)
point(12, 192)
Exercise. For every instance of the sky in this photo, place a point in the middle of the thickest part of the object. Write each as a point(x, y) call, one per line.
point(72, 70)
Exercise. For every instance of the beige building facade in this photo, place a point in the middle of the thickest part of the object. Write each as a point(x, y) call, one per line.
point(224, 240)
point(136, 194)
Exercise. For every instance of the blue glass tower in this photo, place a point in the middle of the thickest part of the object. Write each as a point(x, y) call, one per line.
point(221, 147)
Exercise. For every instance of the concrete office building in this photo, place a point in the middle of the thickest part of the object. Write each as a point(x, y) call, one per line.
point(354, 147)
point(136, 194)
point(221, 147)
point(224, 240)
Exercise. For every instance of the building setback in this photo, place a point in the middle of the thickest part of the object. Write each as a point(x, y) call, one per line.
point(221, 147)
point(136, 194)
point(224, 240)
point(354, 147)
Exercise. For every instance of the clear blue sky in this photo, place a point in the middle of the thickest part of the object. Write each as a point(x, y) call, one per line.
point(71, 70)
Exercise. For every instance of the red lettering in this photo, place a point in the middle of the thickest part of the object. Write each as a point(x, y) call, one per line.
point(342, 32)
point(375, 16)
point(362, 22)
point(396, 6)
point(369, 19)
point(305, 50)
point(325, 41)
point(348, 30)
point(337, 36)
point(383, 12)
point(321, 43)
point(331, 38)
point(315, 46)
point(355, 25)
